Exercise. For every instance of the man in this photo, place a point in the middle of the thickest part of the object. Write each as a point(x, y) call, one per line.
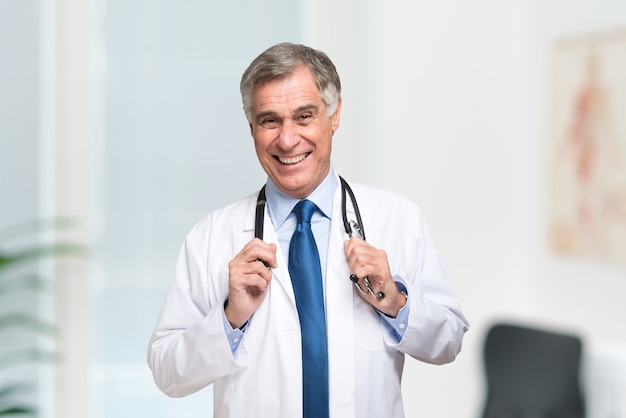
point(236, 315)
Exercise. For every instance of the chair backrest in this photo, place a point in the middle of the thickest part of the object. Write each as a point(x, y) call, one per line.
point(532, 373)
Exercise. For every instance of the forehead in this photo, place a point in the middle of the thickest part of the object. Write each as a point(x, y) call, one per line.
point(294, 89)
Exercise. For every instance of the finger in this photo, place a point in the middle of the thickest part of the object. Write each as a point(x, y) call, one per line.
point(352, 243)
point(357, 248)
point(256, 268)
point(257, 250)
point(370, 262)
point(242, 274)
point(249, 284)
point(257, 281)
point(265, 263)
point(267, 255)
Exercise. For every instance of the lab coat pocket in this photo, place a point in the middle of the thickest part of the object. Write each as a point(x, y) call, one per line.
point(368, 327)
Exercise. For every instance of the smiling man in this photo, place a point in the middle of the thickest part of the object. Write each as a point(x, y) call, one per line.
point(292, 129)
point(278, 299)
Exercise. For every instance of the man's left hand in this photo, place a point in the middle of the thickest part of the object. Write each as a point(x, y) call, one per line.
point(368, 261)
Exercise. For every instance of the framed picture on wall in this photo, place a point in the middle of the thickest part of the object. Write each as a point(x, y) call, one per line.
point(587, 147)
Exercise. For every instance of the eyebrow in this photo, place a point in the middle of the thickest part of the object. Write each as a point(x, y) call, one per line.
point(304, 108)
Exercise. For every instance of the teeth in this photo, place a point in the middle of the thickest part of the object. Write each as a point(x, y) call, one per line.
point(293, 160)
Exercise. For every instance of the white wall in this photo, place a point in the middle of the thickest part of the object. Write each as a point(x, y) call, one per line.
point(589, 295)
point(20, 90)
point(451, 100)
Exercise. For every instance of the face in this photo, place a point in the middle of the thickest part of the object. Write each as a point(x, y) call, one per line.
point(292, 133)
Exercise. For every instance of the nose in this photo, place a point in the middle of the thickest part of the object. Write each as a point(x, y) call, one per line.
point(288, 136)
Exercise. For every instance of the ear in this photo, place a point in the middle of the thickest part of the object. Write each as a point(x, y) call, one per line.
point(335, 117)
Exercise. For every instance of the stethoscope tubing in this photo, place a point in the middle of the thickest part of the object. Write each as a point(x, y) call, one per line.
point(358, 225)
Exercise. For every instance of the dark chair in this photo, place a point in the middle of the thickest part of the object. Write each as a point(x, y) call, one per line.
point(532, 373)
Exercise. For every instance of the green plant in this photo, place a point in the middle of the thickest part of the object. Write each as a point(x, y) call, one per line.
point(22, 248)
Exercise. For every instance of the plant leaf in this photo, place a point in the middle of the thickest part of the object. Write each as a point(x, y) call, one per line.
point(35, 226)
point(30, 281)
point(26, 321)
point(26, 356)
point(5, 395)
point(60, 249)
point(14, 388)
point(19, 410)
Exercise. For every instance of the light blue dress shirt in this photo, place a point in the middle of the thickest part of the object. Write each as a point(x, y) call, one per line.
point(280, 209)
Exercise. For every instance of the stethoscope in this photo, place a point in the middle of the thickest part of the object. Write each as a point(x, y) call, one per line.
point(349, 226)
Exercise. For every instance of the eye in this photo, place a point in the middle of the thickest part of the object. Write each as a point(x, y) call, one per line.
point(305, 118)
point(269, 123)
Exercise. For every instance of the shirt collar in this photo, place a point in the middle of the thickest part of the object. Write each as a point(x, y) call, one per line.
point(280, 205)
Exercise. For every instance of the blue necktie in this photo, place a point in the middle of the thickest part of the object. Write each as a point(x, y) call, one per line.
point(306, 277)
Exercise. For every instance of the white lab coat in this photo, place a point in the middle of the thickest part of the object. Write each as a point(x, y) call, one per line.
point(189, 349)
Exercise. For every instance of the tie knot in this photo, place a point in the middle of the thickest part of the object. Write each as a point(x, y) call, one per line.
point(304, 210)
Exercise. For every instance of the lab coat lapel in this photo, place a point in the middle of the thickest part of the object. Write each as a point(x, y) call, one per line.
point(281, 273)
point(340, 318)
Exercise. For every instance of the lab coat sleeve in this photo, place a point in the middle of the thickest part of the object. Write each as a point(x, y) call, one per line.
point(189, 348)
point(436, 324)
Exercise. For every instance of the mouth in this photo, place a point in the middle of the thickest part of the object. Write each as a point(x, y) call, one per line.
point(292, 160)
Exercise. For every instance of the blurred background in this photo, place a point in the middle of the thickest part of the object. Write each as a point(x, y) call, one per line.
point(125, 116)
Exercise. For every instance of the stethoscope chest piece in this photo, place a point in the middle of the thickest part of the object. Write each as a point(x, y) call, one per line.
point(352, 227)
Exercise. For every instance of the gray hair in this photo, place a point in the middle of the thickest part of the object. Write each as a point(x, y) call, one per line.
point(280, 61)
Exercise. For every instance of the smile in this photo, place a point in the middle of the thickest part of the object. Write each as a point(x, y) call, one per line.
point(293, 160)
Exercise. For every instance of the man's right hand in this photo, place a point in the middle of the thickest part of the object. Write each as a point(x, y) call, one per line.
point(248, 280)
